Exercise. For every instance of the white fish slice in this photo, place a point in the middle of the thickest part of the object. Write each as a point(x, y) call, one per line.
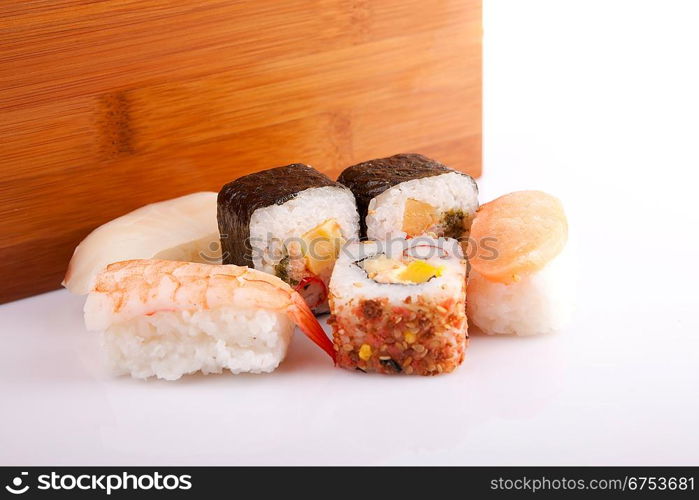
point(180, 229)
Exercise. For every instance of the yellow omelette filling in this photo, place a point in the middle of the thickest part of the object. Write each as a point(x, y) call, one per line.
point(418, 217)
point(384, 270)
point(322, 244)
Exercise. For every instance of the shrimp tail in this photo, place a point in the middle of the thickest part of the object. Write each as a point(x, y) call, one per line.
point(301, 314)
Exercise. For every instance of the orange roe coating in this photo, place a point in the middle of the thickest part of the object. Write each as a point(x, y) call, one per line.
point(415, 337)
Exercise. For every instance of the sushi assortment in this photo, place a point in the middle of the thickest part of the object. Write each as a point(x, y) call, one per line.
point(393, 250)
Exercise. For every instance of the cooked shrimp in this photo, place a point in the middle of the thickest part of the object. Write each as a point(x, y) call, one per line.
point(143, 287)
point(527, 229)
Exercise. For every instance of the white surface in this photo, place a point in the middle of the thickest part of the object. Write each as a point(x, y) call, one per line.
point(593, 101)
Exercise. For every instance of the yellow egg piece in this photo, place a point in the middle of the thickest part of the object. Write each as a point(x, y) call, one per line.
point(419, 271)
point(418, 217)
point(322, 244)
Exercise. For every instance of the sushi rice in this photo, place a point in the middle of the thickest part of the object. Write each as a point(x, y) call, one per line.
point(169, 344)
point(274, 228)
point(447, 193)
point(540, 303)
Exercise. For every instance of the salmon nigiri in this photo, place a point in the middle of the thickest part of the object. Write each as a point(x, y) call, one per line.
point(166, 319)
point(519, 280)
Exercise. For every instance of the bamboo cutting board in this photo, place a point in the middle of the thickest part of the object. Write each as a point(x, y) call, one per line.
point(109, 105)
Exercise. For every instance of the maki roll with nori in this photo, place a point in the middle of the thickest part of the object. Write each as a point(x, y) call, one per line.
point(408, 195)
point(288, 221)
point(399, 306)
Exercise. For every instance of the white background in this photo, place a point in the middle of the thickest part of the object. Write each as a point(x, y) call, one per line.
point(594, 101)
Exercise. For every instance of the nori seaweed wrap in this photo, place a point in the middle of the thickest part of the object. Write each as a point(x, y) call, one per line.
point(370, 180)
point(238, 200)
point(268, 220)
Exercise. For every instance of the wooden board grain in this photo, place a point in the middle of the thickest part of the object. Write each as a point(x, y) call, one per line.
point(108, 105)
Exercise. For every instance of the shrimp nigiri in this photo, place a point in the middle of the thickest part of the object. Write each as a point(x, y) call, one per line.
point(166, 319)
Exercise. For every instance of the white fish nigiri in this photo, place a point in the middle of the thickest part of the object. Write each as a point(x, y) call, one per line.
point(180, 229)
